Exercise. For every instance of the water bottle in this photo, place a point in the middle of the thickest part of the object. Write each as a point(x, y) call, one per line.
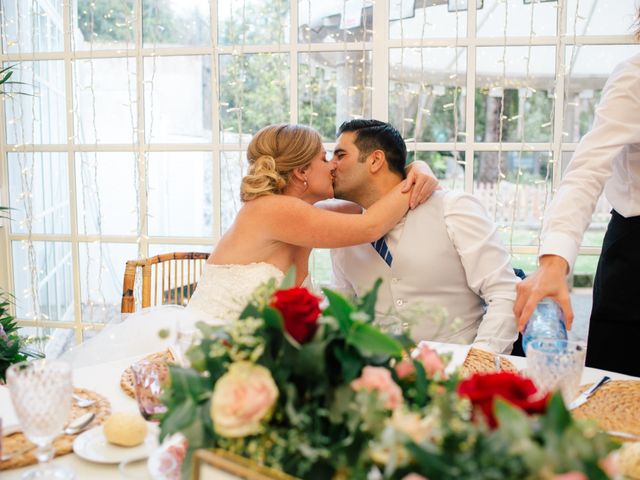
point(547, 321)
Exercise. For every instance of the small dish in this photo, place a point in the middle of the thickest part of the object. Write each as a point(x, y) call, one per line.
point(94, 447)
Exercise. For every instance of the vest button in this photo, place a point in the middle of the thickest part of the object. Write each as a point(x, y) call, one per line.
point(399, 302)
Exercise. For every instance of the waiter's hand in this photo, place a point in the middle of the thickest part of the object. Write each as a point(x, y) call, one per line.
point(549, 280)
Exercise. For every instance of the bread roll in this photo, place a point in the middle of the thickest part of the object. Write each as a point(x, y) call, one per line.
point(125, 429)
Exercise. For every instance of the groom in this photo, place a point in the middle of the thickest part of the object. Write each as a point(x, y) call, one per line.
point(444, 253)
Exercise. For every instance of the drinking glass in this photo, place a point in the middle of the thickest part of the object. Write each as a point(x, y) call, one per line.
point(184, 340)
point(148, 379)
point(41, 391)
point(556, 365)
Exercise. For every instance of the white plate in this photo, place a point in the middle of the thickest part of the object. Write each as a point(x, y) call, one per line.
point(93, 446)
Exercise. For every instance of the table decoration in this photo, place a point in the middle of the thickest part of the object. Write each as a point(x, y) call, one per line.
point(615, 406)
point(324, 394)
point(63, 444)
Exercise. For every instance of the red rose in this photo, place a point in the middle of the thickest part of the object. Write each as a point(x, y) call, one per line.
point(300, 311)
point(482, 388)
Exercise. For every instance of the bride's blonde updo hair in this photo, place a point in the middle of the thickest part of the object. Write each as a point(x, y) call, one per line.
point(273, 154)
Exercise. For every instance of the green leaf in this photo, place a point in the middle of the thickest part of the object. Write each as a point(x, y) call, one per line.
point(350, 361)
point(557, 418)
point(289, 280)
point(339, 308)
point(512, 420)
point(367, 302)
point(273, 319)
point(179, 417)
point(188, 382)
point(370, 340)
point(432, 464)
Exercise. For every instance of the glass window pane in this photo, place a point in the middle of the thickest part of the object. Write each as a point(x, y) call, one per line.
point(233, 167)
point(168, 22)
point(180, 194)
point(39, 192)
point(588, 67)
point(523, 18)
point(335, 22)
point(178, 99)
point(254, 91)
point(427, 19)
point(518, 200)
point(105, 100)
point(601, 17)
point(516, 83)
point(101, 275)
point(600, 218)
point(31, 26)
point(253, 22)
point(52, 342)
point(39, 116)
point(104, 25)
point(427, 93)
point(44, 286)
point(320, 267)
point(448, 166)
point(333, 87)
point(106, 193)
point(527, 263)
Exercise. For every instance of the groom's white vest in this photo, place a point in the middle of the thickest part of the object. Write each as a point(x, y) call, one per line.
point(426, 271)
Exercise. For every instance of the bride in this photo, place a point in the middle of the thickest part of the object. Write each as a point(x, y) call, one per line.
point(275, 229)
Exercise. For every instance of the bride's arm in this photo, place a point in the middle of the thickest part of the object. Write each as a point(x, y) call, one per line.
point(421, 181)
point(294, 221)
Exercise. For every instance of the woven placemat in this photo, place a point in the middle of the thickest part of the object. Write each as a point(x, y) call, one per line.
point(481, 361)
point(64, 443)
point(615, 406)
point(126, 379)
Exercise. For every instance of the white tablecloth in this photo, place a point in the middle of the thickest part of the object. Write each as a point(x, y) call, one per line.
point(105, 379)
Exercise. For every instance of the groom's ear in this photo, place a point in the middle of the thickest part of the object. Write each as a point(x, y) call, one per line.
point(376, 160)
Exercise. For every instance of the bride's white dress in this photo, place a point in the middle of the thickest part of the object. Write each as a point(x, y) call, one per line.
point(221, 294)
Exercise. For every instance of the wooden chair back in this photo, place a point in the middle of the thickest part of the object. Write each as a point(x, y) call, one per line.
point(169, 278)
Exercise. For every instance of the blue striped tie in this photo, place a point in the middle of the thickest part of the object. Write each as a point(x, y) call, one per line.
point(383, 249)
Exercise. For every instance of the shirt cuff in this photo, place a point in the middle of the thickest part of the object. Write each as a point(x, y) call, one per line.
point(560, 244)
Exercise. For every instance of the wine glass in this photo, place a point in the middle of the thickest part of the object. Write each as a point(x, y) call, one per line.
point(555, 364)
point(41, 392)
point(149, 378)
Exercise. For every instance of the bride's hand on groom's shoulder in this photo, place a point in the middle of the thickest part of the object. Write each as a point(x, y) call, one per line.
point(421, 181)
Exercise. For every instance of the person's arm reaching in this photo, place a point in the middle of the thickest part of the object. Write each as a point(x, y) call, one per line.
point(421, 181)
point(616, 125)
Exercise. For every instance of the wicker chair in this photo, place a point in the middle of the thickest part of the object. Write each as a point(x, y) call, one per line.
point(169, 278)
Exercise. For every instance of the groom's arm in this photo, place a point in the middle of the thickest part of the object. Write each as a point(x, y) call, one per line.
point(488, 269)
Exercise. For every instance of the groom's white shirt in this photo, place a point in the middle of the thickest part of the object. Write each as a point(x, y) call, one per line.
point(446, 253)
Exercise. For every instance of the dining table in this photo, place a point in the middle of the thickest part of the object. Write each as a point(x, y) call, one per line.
point(104, 378)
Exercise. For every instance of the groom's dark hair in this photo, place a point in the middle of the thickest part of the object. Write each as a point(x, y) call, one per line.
point(376, 135)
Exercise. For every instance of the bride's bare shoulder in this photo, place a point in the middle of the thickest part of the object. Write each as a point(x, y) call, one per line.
point(272, 202)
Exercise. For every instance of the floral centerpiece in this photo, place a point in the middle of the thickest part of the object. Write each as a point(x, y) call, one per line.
point(322, 393)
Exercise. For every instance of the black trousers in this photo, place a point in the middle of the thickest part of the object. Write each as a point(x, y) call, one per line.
point(614, 328)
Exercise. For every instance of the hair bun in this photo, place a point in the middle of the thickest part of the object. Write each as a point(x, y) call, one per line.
point(262, 179)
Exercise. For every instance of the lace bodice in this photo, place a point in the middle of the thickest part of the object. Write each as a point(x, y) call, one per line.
point(223, 290)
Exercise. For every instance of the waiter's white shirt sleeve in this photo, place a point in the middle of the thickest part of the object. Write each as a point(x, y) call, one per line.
point(603, 152)
point(487, 267)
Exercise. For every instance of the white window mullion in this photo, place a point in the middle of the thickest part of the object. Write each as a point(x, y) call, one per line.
point(216, 180)
point(293, 61)
point(558, 114)
point(143, 248)
point(380, 61)
point(470, 110)
point(67, 18)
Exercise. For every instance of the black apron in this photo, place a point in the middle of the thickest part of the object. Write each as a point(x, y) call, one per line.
point(614, 328)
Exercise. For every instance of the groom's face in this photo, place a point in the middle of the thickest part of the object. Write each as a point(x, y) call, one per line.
point(351, 175)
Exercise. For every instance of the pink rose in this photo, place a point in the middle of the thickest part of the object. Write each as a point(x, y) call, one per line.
point(571, 476)
point(414, 476)
point(379, 379)
point(610, 465)
point(429, 359)
point(242, 398)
